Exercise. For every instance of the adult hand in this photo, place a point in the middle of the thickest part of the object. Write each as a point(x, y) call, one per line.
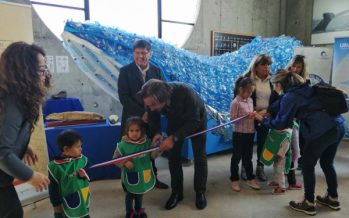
point(167, 144)
point(145, 117)
point(156, 139)
point(39, 181)
point(258, 117)
point(262, 112)
point(129, 165)
point(30, 157)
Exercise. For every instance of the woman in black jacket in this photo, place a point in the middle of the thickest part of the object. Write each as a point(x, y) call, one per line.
point(263, 96)
point(23, 77)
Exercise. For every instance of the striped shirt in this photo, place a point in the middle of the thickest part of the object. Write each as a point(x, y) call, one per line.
point(238, 108)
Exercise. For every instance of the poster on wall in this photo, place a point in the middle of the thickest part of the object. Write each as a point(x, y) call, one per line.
point(330, 20)
point(318, 60)
point(340, 69)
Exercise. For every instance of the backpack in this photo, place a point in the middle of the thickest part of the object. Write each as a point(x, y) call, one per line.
point(333, 100)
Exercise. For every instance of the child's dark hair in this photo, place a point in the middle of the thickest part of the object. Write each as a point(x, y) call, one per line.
point(68, 138)
point(135, 120)
point(242, 82)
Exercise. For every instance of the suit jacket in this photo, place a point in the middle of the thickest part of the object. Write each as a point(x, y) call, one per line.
point(186, 113)
point(15, 133)
point(129, 83)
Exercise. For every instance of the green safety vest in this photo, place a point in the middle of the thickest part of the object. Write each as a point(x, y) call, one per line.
point(141, 178)
point(74, 191)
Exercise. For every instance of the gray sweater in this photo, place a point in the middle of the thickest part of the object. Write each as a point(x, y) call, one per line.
point(15, 133)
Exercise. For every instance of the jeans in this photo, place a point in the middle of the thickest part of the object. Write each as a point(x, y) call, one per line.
point(323, 148)
point(10, 206)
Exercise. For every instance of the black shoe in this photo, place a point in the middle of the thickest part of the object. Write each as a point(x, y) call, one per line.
point(173, 201)
point(326, 200)
point(243, 173)
point(304, 206)
point(160, 185)
point(260, 173)
point(201, 201)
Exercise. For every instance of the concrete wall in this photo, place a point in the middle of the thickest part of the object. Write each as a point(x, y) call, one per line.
point(298, 19)
point(75, 82)
point(253, 17)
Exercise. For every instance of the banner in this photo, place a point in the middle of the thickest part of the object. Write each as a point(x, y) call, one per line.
point(340, 69)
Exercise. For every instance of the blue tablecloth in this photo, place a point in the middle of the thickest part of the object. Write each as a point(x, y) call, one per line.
point(99, 143)
point(61, 105)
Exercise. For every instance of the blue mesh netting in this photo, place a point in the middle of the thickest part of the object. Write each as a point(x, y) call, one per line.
point(212, 77)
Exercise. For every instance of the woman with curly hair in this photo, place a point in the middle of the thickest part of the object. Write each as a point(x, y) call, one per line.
point(23, 81)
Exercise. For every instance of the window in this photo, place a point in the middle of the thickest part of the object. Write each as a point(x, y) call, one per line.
point(134, 16)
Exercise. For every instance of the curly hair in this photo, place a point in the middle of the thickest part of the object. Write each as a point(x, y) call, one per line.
point(20, 79)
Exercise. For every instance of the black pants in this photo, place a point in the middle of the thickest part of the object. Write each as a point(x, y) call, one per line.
point(200, 165)
point(130, 197)
point(242, 150)
point(262, 133)
point(10, 206)
point(323, 148)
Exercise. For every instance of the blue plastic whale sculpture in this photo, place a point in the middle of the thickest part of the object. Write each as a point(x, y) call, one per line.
point(100, 51)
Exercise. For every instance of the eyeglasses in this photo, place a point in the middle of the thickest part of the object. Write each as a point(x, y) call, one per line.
point(43, 71)
point(144, 53)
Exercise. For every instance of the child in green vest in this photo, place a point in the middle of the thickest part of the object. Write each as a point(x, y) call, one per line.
point(69, 183)
point(137, 173)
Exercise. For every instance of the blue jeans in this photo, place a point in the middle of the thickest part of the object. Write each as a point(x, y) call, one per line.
point(325, 149)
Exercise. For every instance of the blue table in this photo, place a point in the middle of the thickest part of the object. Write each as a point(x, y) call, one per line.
point(61, 105)
point(99, 143)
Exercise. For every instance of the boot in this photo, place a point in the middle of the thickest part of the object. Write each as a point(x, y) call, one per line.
point(260, 173)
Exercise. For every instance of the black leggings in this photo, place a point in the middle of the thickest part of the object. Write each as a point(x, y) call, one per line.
point(10, 206)
point(137, 198)
point(323, 148)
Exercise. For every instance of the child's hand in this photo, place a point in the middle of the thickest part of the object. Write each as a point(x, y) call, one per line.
point(251, 115)
point(156, 139)
point(82, 174)
point(128, 164)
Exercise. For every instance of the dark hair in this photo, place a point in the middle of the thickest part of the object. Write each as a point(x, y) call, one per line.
point(158, 89)
point(244, 83)
point(141, 43)
point(298, 59)
point(135, 120)
point(287, 79)
point(68, 138)
point(19, 78)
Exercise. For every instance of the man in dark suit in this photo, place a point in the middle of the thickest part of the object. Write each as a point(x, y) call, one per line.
point(131, 79)
point(186, 114)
